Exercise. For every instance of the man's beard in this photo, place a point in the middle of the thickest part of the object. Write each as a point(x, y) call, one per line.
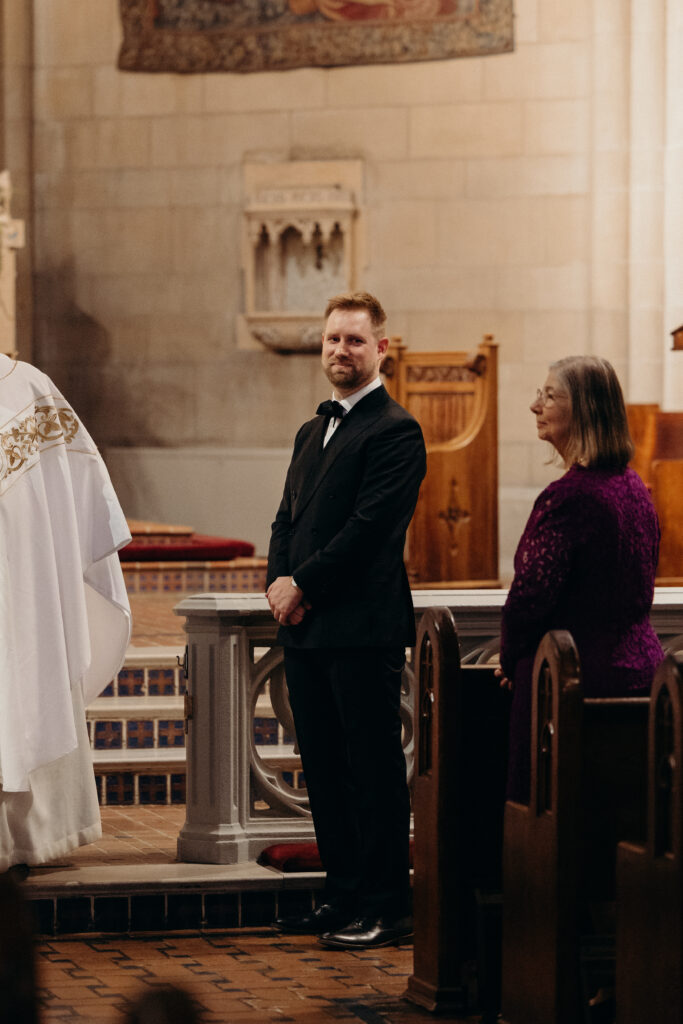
point(345, 374)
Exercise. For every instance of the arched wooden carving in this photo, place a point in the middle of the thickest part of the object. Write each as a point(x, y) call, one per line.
point(453, 539)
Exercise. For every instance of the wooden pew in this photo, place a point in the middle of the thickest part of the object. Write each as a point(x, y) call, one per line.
point(461, 727)
point(649, 978)
point(588, 771)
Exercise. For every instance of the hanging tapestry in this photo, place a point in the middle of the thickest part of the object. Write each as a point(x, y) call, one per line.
point(273, 35)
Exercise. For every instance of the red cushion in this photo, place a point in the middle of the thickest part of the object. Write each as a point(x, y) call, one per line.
point(297, 857)
point(197, 548)
point(291, 857)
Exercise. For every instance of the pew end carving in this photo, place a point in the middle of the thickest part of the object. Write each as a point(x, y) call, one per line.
point(461, 717)
point(649, 944)
point(587, 792)
point(453, 539)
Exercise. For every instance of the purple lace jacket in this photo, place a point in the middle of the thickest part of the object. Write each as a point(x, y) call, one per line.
point(586, 562)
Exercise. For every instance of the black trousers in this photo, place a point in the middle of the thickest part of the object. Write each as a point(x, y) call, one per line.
point(346, 707)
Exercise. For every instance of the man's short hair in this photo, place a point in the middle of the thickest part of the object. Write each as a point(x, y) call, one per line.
point(360, 300)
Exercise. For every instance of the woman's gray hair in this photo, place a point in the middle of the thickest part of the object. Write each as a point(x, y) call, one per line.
point(598, 433)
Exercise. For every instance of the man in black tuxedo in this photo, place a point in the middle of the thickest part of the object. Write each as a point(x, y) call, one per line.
point(339, 589)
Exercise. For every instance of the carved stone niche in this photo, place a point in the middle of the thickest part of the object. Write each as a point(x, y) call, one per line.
point(300, 247)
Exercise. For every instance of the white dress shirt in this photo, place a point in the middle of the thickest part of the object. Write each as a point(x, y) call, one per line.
point(348, 404)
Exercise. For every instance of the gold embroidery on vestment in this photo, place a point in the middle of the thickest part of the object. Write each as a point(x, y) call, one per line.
point(44, 427)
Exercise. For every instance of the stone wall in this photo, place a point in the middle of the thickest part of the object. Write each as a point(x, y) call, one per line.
point(532, 195)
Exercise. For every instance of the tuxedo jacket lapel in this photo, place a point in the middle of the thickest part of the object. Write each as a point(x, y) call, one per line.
point(315, 462)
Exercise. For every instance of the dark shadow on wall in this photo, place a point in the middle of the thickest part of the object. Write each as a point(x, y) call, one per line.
point(76, 351)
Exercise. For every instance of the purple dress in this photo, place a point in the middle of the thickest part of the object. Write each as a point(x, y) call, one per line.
point(586, 563)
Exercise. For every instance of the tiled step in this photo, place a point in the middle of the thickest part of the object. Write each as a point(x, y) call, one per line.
point(137, 730)
point(240, 575)
point(138, 734)
point(144, 898)
point(149, 672)
point(146, 759)
point(114, 708)
point(130, 881)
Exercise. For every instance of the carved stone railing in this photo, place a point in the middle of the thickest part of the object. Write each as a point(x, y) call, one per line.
point(243, 795)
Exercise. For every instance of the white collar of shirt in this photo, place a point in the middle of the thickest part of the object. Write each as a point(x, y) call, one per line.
point(348, 404)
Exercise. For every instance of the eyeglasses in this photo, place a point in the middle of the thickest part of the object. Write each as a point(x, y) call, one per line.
point(546, 395)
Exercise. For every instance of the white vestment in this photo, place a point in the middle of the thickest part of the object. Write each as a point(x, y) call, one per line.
point(64, 616)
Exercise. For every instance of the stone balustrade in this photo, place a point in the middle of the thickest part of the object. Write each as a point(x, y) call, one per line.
point(241, 795)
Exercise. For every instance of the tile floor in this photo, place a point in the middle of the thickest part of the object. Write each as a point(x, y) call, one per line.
point(144, 834)
point(154, 622)
point(235, 978)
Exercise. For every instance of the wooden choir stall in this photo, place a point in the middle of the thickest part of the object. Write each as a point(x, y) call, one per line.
point(658, 437)
point(453, 538)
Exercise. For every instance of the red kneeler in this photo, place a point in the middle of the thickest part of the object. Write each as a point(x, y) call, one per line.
point(297, 857)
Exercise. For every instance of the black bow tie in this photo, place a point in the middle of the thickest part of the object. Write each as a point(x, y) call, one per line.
point(331, 408)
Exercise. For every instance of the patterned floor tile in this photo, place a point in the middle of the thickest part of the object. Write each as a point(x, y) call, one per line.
point(235, 978)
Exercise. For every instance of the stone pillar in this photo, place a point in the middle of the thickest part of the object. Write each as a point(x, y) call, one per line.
point(220, 825)
point(217, 802)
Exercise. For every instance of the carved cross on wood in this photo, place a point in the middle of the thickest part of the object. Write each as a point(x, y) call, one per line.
point(454, 516)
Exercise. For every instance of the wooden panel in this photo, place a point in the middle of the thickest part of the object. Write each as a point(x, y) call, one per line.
point(668, 436)
point(454, 397)
point(667, 494)
point(642, 424)
point(649, 943)
point(442, 416)
point(461, 718)
point(588, 770)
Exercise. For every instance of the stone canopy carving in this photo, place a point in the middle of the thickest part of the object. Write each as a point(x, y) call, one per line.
point(299, 249)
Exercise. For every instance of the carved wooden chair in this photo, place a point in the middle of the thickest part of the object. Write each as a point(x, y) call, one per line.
point(453, 539)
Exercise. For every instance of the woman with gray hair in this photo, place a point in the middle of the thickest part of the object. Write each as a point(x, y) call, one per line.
point(587, 558)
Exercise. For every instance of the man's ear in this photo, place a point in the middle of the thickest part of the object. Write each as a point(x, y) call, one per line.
point(382, 346)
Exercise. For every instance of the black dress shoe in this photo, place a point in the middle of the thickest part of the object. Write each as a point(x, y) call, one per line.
point(370, 933)
point(326, 917)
